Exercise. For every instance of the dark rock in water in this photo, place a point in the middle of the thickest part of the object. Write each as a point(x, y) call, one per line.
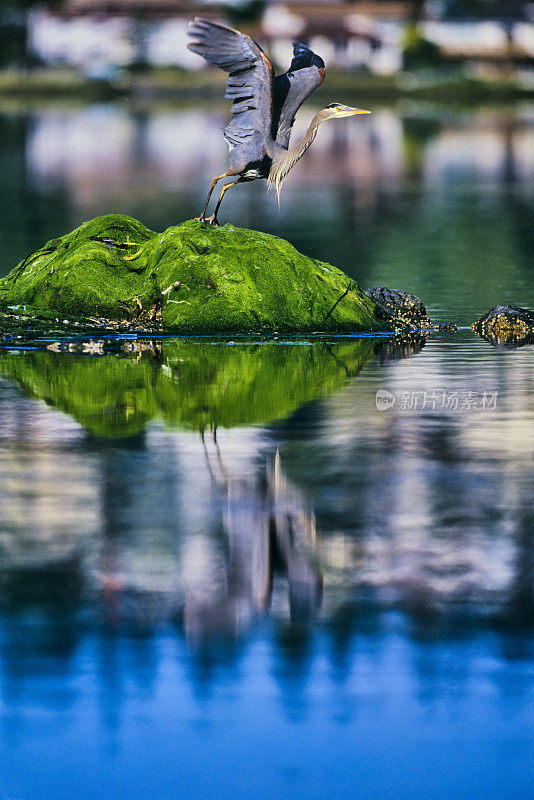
point(190, 279)
point(506, 325)
point(407, 308)
point(446, 327)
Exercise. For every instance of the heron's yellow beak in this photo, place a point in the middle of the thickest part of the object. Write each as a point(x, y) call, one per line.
point(347, 111)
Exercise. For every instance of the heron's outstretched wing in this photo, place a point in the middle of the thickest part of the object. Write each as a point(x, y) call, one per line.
point(249, 84)
point(304, 75)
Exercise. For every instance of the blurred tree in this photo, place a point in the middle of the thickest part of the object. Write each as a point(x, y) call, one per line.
point(243, 11)
point(14, 32)
point(417, 51)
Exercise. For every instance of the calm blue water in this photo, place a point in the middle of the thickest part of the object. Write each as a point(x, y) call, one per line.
point(379, 713)
point(224, 572)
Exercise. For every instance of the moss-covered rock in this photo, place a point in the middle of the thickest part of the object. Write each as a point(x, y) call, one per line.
point(190, 278)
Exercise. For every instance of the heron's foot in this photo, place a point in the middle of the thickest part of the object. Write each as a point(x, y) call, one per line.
point(212, 221)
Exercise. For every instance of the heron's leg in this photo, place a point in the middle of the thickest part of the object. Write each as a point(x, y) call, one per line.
point(213, 219)
point(202, 217)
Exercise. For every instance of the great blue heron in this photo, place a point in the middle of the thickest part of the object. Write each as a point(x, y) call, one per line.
point(263, 106)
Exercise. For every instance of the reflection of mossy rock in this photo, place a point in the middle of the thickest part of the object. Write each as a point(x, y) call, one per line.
point(192, 385)
point(190, 278)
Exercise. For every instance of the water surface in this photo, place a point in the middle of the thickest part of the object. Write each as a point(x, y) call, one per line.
point(226, 572)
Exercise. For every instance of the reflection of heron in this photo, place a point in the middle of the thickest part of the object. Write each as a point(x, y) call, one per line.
point(263, 106)
point(269, 531)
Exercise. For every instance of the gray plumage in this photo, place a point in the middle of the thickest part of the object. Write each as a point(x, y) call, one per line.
point(263, 107)
point(249, 86)
point(299, 82)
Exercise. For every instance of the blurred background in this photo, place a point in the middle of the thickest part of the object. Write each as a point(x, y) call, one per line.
point(112, 40)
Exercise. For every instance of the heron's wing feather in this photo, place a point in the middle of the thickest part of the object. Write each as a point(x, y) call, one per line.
point(291, 90)
point(302, 57)
point(249, 83)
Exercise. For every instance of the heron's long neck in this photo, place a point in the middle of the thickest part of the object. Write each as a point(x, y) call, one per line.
point(286, 159)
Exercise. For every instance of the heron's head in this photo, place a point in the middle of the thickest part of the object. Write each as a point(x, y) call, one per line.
point(339, 110)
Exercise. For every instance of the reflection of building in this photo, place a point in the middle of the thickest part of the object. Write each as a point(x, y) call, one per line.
point(444, 521)
point(103, 152)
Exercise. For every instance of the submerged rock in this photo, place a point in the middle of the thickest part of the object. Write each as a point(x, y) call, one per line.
point(506, 325)
point(406, 308)
point(191, 278)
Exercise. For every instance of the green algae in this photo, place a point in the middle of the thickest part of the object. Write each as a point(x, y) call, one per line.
point(187, 384)
point(191, 278)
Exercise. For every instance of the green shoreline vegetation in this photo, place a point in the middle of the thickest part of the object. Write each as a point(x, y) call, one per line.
point(450, 87)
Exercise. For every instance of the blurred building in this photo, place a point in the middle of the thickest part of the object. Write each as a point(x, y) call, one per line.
point(99, 35)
